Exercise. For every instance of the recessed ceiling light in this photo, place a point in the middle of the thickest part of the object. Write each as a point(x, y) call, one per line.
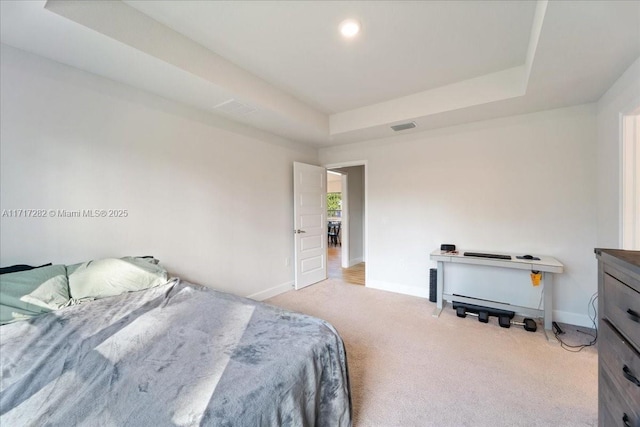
point(349, 28)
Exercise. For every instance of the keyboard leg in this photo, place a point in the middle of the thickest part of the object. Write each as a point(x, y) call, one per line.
point(547, 288)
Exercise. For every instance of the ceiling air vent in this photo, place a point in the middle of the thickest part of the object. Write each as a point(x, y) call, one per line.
point(235, 108)
point(403, 126)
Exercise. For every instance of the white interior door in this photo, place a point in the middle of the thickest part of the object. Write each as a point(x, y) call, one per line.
point(310, 225)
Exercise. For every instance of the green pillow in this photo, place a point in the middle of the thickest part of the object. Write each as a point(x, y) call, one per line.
point(113, 276)
point(29, 293)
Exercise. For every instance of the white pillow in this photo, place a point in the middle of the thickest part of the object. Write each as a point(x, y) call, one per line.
point(114, 276)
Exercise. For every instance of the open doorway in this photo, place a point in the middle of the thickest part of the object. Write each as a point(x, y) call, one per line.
point(346, 214)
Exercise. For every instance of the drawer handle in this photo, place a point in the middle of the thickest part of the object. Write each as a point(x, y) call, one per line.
point(633, 315)
point(628, 375)
point(626, 421)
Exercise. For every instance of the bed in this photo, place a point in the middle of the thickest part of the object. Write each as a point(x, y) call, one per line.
point(175, 354)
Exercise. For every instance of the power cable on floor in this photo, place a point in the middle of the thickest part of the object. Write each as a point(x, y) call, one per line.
point(594, 338)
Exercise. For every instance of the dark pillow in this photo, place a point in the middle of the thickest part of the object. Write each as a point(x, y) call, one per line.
point(29, 293)
point(20, 267)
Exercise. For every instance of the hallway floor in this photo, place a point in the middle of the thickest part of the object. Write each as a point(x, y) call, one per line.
point(354, 275)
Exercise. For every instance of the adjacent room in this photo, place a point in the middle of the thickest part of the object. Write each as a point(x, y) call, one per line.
point(345, 224)
point(332, 213)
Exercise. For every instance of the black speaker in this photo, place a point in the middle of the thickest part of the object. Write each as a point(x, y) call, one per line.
point(433, 284)
point(447, 247)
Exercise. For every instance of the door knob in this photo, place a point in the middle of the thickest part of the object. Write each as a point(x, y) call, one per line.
point(298, 231)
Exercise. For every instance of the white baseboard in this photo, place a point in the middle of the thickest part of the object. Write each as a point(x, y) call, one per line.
point(572, 318)
point(416, 291)
point(272, 292)
point(355, 261)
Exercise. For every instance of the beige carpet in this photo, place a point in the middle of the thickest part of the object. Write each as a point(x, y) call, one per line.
point(408, 368)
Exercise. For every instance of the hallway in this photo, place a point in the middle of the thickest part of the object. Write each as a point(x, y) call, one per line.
point(354, 275)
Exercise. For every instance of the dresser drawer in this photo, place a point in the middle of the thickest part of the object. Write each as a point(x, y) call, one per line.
point(621, 362)
point(625, 276)
point(622, 308)
point(614, 409)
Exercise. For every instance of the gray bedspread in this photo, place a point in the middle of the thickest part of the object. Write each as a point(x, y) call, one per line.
point(175, 355)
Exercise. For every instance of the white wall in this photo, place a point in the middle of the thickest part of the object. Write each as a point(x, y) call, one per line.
point(209, 198)
point(204, 194)
point(355, 191)
point(622, 97)
point(519, 184)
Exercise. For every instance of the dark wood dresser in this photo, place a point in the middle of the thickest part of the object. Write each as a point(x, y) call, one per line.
point(619, 336)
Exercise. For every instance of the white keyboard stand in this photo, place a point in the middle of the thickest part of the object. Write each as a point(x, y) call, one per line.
point(546, 265)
